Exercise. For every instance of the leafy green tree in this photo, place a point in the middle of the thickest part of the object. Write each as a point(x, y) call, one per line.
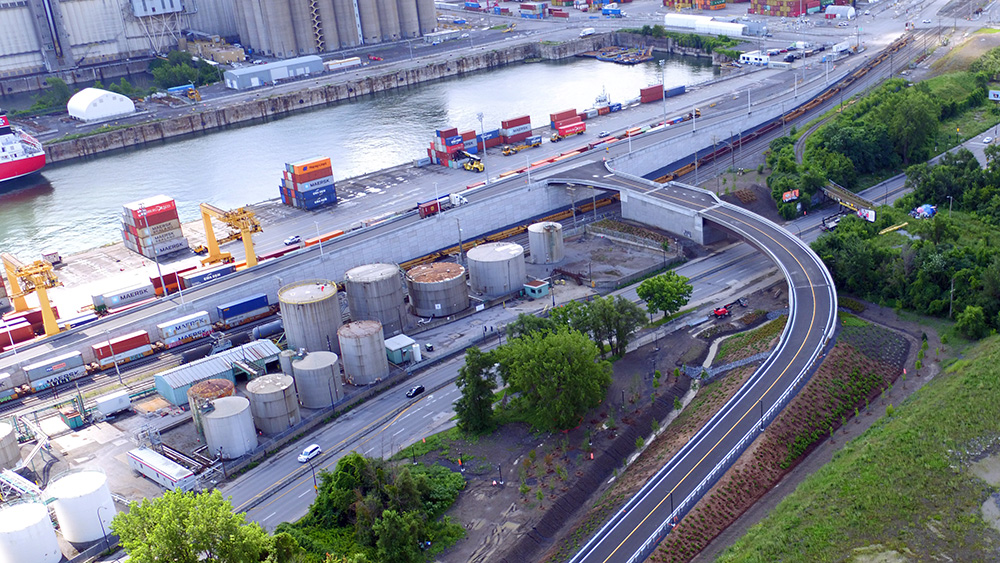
point(400, 537)
point(626, 319)
point(667, 292)
point(556, 376)
point(972, 323)
point(191, 528)
point(526, 323)
point(477, 382)
point(911, 122)
point(574, 315)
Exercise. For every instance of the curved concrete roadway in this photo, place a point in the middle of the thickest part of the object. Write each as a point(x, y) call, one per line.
point(635, 530)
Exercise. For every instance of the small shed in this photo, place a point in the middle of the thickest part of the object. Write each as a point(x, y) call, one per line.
point(399, 349)
point(259, 75)
point(841, 12)
point(94, 104)
point(536, 288)
point(249, 359)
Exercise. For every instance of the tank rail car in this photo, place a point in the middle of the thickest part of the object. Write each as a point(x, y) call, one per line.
point(702, 157)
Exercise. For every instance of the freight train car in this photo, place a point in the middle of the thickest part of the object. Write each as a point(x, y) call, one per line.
point(185, 329)
point(122, 297)
point(51, 372)
point(243, 311)
point(123, 349)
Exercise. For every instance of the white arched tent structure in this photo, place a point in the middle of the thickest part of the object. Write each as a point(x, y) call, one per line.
point(94, 104)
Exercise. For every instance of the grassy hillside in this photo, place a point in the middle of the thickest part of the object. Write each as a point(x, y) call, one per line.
point(905, 486)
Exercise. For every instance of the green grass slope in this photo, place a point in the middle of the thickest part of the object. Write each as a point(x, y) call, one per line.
point(904, 486)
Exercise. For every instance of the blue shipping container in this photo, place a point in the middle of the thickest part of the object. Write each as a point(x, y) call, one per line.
point(490, 134)
point(616, 107)
point(675, 91)
point(317, 193)
point(533, 140)
point(452, 141)
point(309, 197)
point(191, 279)
point(316, 204)
point(241, 306)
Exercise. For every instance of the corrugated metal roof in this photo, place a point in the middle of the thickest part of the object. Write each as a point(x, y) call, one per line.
point(297, 61)
point(398, 342)
point(255, 352)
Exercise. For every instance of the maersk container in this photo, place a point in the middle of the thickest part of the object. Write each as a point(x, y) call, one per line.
point(58, 378)
point(123, 297)
point(186, 323)
point(518, 129)
point(671, 92)
point(241, 306)
point(52, 366)
point(189, 336)
point(121, 344)
point(198, 277)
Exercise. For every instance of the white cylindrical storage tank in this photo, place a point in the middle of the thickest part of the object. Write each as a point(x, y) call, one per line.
point(362, 348)
point(26, 534)
point(375, 293)
point(496, 268)
point(317, 378)
point(273, 403)
point(201, 393)
point(286, 359)
point(310, 311)
point(438, 289)
point(10, 452)
point(82, 504)
point(545, 240)
point(229, 428)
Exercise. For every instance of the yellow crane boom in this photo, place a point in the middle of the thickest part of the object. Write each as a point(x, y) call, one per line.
point(25, 279)
point(242, 220)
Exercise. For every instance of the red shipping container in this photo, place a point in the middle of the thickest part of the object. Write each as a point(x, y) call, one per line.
point(428, 208)
point(511, 123)
point(517, 138)
point(565, 122)
point(13, 334)
point(571, 128)
point(445, 133)
point(603, 111)
point(653, 93)
point(559, 116)
point(32, 316)
point(468, 135)
point(308, 176)
point(121, 344)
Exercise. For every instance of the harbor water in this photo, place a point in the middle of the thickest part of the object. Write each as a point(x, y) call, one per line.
point(76, 206)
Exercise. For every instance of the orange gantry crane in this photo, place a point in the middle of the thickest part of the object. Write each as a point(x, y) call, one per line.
point(241, 220)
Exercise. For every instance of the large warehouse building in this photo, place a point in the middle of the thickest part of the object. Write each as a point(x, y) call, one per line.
point(51, 35)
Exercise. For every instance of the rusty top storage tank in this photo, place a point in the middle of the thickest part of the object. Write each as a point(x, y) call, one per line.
point(496, 268)
point(317, 377)
point(375, 292)
point(202, 392)
point(438, 289)
point(545, 240)
point(362, 346)
point(273, 402)
point(311, 312)
point(229, 427)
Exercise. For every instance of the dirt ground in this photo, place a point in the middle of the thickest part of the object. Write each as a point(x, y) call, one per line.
point(496, 516)
point(964, 51)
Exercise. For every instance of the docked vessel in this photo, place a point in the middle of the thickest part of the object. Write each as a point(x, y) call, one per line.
point(20, 153)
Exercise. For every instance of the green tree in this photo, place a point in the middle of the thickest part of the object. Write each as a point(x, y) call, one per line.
point(667, 292)
point(400, 537)
point(556, 377)
point(972, 323)
point(526, 323)
point(911, 122)
point(190, 528)
point(477, 381)
point(627, 318)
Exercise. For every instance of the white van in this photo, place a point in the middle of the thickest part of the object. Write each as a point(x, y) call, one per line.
point(588, 31)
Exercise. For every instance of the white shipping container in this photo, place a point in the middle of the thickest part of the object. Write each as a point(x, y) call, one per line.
point(146, 241)
point(167, 473)
point(186, 337)
point(123, 297)
point(114, 402)
point(58, 378)
point(134, 353)
point(526, 128)
point(184, 324)
point(172, 246)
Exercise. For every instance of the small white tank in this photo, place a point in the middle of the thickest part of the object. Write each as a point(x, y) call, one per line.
point(496, 268)
point(229, 427)
point(83, 502)
point(362, 346)
point(10, 452)
point(545, 240)
point(285, 359)
point(26, 534)
point(273, 403)
point(317, 378)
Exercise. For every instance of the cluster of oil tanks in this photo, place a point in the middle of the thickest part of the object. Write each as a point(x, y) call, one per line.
point(83, 508)
point(289, 28)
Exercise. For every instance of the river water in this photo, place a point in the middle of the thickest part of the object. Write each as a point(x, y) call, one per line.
point(76, 206)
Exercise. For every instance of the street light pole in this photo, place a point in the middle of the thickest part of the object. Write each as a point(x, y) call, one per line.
point(319, 237)
point(459, 223)
point(482, 132)
point(103, 531)
point(156, 258)
point(663, 85)
point(315, 484)
point(113, 360)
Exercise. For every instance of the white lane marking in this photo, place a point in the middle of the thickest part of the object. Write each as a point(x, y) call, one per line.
point(398, 433)
point(268, 516)
point(304, 493)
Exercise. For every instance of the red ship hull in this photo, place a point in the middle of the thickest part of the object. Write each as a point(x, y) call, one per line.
point(21, 167)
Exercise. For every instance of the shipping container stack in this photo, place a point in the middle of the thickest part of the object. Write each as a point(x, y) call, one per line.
point(244, 310)
point(122, 349)
point(448, 142)
point(515, 130)
point(698, 4)
point(783, 8)
point(308, 184)
point(555, 118)
point(534, 10)
point(651, 94)
point(152, 228)
point(32, 316)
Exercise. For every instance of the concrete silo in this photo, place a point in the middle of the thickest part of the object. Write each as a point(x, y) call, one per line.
point(83, 505)
point(409, 23)
point(426, 16)
point(305, 27)
point(362, 346)
point(26, 534)
point(277, 34)
point(438, 289)
point(328, 23)
point(273, 403)
point(371, 31)
point(311, 313)
point(496, 268)
point(317, 378)
point(348, 23)
point(388, 17)
point(10, 451)
point(375, 292)
point(545, 240)
point(229, 428)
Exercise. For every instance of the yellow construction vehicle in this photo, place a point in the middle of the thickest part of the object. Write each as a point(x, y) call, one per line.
point(25, 279)
point(530, 142)
point(473, 162)
point(241, 220)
